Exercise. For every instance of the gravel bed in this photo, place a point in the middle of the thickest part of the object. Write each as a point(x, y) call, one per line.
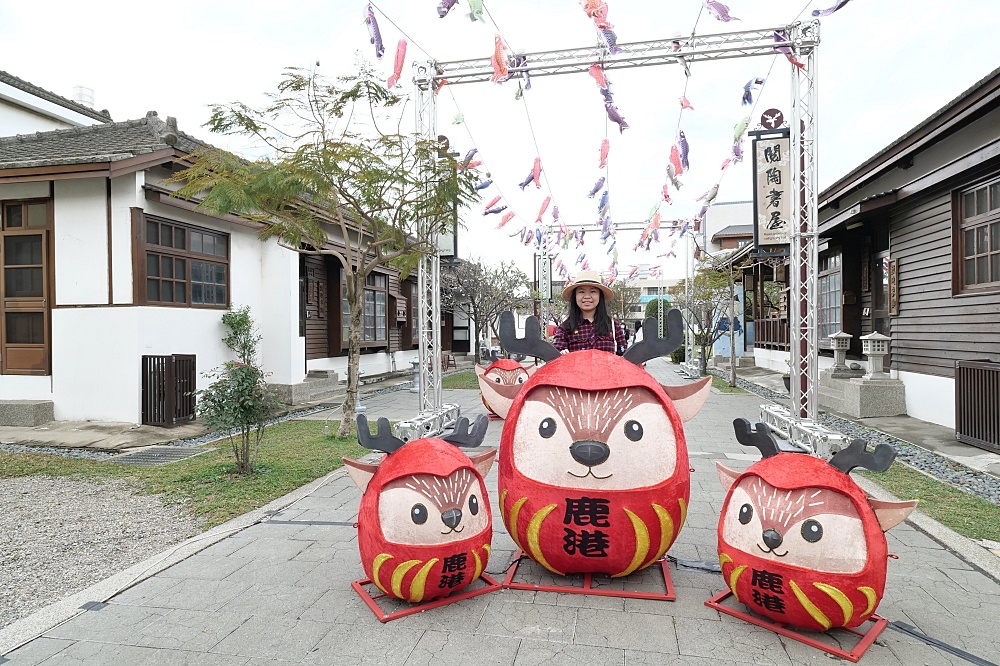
point(63, 535)
point(944, 469)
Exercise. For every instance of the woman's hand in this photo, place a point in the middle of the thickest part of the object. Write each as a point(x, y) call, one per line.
point(564, 351)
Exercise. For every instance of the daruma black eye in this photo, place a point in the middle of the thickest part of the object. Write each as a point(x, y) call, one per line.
point(418, 514)
point(497, 380)
point(633, 430)
point(473, 505)
point(547, 428)
point(812, 531)
point(746, 513)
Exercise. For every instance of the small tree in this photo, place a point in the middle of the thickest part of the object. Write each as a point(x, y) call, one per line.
point(381, 195)
point(239, 400)
point(653, 310)
point(482, 292)
point(625, 298)
point(706, 301)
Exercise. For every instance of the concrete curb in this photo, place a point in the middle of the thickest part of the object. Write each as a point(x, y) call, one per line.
point(967, 549)
point(35, 625)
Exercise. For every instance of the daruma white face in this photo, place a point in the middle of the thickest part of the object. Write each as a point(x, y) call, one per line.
point(813, 528)
point(607, 440)
point(426, 510)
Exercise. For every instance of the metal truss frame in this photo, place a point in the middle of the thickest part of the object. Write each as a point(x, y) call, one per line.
point(803, 39)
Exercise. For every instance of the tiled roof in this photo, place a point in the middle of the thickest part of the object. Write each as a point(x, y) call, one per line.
point(109, 142)
point(42, 93)
point(734, 230)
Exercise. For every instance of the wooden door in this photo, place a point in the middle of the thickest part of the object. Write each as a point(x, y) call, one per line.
point(24, 289)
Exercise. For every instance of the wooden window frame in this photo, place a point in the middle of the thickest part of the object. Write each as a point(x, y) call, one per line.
point(988, 220)
point(370, 286)
point(834, 266)
point(29, 304)
point(143, 249)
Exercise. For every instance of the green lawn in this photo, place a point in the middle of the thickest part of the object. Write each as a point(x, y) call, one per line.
point(292, 454)
point(461, 380)
point(966, 514)
point(723, 385)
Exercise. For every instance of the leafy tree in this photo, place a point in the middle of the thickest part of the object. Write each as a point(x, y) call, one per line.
point(625, 298)
point(653, 310)
point(239, 400)
point(382, 195)
point(482, 292)
point(703, 306)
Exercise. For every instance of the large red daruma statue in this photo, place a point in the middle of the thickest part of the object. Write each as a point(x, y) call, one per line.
point(424, 525)
point(799, 542)
point(594, 474)
point(500, 382)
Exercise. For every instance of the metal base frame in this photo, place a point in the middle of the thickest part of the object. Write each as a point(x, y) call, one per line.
point(588, 587)
point(383, 617)
point(865, 639)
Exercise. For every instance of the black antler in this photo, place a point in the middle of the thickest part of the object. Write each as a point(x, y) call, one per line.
point(461, 435)
point(857, 455)
point(384, 441)
point(531, 344)
point(493, 356)
point(652, 345)
point(756, 435)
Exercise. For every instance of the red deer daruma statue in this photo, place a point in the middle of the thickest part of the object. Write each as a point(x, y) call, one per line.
point(594, 474)
point(424, 525)
point(500, 382)
point(799, 542)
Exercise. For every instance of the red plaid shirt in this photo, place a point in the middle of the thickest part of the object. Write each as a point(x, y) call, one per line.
point(585, 338)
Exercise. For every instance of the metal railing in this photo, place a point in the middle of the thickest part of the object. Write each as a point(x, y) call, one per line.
point(168, 386)
point(977, 404)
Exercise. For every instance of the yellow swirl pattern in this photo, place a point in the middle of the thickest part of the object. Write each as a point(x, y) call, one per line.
point(420, 580)
point(514, 514)
point(489, 549)
point(397, 576)
point(479, 565)
point(666, 532)
point(845, 604)
point(641, 544)
point(871, 596)
point(724, 560)
point(684, 512)
point(734, 577)
point(814, 612)
point(376, 565)
point(534, 527)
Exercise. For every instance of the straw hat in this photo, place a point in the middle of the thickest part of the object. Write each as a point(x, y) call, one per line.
point(588, 277)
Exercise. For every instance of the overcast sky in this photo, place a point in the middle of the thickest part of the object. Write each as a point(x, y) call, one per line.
point(884, 66)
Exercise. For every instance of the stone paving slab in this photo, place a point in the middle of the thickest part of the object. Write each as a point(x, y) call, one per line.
point(279, 593)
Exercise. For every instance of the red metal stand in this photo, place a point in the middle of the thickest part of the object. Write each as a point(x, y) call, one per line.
point(371, 602)
point(587, 587)
point(865, 639)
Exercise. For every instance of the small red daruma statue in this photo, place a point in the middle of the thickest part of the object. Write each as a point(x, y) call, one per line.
point(799, 542)
point(500, 381)
point(594, 474)
point(424, 525)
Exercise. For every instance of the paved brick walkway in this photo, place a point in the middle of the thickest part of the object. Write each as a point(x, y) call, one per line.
point(279, 592)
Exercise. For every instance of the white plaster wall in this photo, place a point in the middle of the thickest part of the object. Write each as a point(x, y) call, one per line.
point(371, 364)
point(773, 359)
point(95, 364)
point(283, 349)
point(15, 119)
point(930, 398)
point(723, 214)
point(21, 387)
point(24, 191)
point(81, 242)
point(124, 195)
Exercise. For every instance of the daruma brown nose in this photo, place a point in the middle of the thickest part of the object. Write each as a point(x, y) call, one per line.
point(451, 518)
point(588, 452)
point(772, 539)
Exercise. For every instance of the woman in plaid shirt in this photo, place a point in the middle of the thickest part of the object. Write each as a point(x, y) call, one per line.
point(588, 325)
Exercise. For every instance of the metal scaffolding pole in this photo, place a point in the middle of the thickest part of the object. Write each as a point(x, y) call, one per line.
point(429, 269)
point(804, 257)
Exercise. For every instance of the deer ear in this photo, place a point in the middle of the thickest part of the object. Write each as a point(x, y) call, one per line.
point(480, 370)
point(360, 472)
point(689, 398)
point(890, 514)
point(726, 476)
point(484, 461)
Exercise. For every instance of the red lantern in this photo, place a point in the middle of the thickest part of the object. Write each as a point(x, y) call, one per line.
point(424, 525)
point(594, 474)
point(500, 382)
point(799, 542)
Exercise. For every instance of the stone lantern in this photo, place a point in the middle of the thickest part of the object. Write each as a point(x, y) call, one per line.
point(875, 346)
point(841, 343)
